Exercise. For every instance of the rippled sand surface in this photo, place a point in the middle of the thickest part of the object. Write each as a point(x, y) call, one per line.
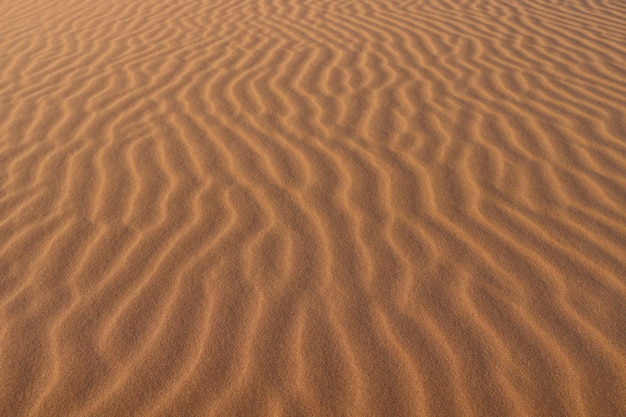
point(313, 208)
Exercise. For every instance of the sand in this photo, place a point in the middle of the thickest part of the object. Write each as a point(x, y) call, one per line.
point(313, 208)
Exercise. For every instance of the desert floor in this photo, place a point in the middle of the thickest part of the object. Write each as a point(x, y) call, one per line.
point(313, 208)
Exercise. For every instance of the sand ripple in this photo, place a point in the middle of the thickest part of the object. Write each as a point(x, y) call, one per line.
point(312, 208)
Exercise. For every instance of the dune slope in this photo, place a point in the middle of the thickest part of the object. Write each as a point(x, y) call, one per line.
point(313, 208)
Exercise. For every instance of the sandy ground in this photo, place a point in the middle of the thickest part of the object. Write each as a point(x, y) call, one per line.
point(313, 208)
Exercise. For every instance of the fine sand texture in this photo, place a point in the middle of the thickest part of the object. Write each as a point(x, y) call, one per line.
point(315, 208)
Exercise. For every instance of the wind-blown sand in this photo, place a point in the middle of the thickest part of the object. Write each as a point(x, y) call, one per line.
point(313, 208)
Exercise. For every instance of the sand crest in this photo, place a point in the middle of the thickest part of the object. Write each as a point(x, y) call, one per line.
point(313, 208)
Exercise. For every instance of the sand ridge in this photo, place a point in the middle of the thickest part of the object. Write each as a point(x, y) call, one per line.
point(312, 208)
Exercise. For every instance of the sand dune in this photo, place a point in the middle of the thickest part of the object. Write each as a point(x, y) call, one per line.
point(313, 208)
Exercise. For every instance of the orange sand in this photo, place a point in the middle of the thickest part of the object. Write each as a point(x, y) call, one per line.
point(313, 208)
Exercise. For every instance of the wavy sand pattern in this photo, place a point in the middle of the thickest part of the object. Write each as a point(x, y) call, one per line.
point(313, 208)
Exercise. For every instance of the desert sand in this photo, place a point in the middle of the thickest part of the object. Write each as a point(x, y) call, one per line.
point(313, 208)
